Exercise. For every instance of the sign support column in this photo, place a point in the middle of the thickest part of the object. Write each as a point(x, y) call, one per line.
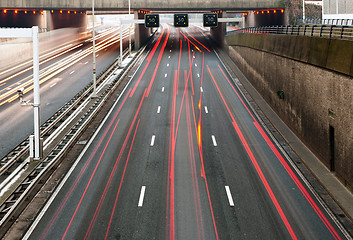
point(94, 94)
point(36, 104)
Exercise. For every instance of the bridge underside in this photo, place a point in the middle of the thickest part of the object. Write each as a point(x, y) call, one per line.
point(144, 4)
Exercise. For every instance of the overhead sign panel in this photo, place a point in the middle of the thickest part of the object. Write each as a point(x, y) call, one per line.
point(181, 20)
point(151, 20)
point(210, 20)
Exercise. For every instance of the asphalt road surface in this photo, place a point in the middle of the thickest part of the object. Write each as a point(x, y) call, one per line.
point(183, 156)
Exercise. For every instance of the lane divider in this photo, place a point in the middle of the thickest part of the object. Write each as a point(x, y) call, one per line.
point(142, 196)
point(229, 195)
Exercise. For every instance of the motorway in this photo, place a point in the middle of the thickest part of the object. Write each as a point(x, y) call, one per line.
point(182, 155)
point(64, 70)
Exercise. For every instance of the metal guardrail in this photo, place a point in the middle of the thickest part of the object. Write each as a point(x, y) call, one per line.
point(332, 31)
point(346, 22)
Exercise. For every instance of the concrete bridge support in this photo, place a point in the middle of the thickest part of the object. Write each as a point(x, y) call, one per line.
point(141, 32)
point(218, 33)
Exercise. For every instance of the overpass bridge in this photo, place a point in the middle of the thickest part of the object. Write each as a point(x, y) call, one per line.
point(60, 14)
point(141, 4)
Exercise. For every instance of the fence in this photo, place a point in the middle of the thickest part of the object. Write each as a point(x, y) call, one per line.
point(332, 31)
point(346, 22)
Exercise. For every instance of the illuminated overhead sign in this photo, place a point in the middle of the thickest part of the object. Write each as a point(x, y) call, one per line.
point(151, 20)
point(210, 20)
point(181, 20)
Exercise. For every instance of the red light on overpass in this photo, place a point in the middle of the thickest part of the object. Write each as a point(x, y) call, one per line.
point(34, 12)
point(16, 11)
point(268, 11)
point(282, 11)
point(68, 12)
point(274, 11)
point(262, 12)
point(61, 11)
point(42, 12)
point(75, 12)
point(5, 11)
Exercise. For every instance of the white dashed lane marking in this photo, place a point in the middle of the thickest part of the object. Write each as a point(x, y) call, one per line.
point(214, 141)
point(152, 140)
point(230, 198)
point(142, 196)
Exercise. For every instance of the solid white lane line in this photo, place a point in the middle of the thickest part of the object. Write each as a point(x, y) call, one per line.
point(162, 89)
point(214, 141)
point(230, 198)
point(53, 85)
point(159, 109)
point(2, 84)
point(195, 65)
point(206, 109)
point(198, 75)
point(142, 196)
point(166, 75)
point(72, 72)
point(201, 89)
point(86, 63)
point(152, 140)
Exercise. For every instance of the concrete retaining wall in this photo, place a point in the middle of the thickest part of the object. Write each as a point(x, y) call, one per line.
point(316, 78)
point(333, 54)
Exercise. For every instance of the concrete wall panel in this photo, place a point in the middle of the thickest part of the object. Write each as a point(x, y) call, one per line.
point(318, 51)
point(340, 55)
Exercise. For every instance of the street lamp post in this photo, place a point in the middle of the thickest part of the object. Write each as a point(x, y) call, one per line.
point(94, 94)
point(303, 11)
point(30, 33)
point(121, 44)
point(129, 28)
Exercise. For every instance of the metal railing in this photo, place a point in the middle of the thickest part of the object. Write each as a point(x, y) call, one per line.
point(346, 22)
point(332, 31)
